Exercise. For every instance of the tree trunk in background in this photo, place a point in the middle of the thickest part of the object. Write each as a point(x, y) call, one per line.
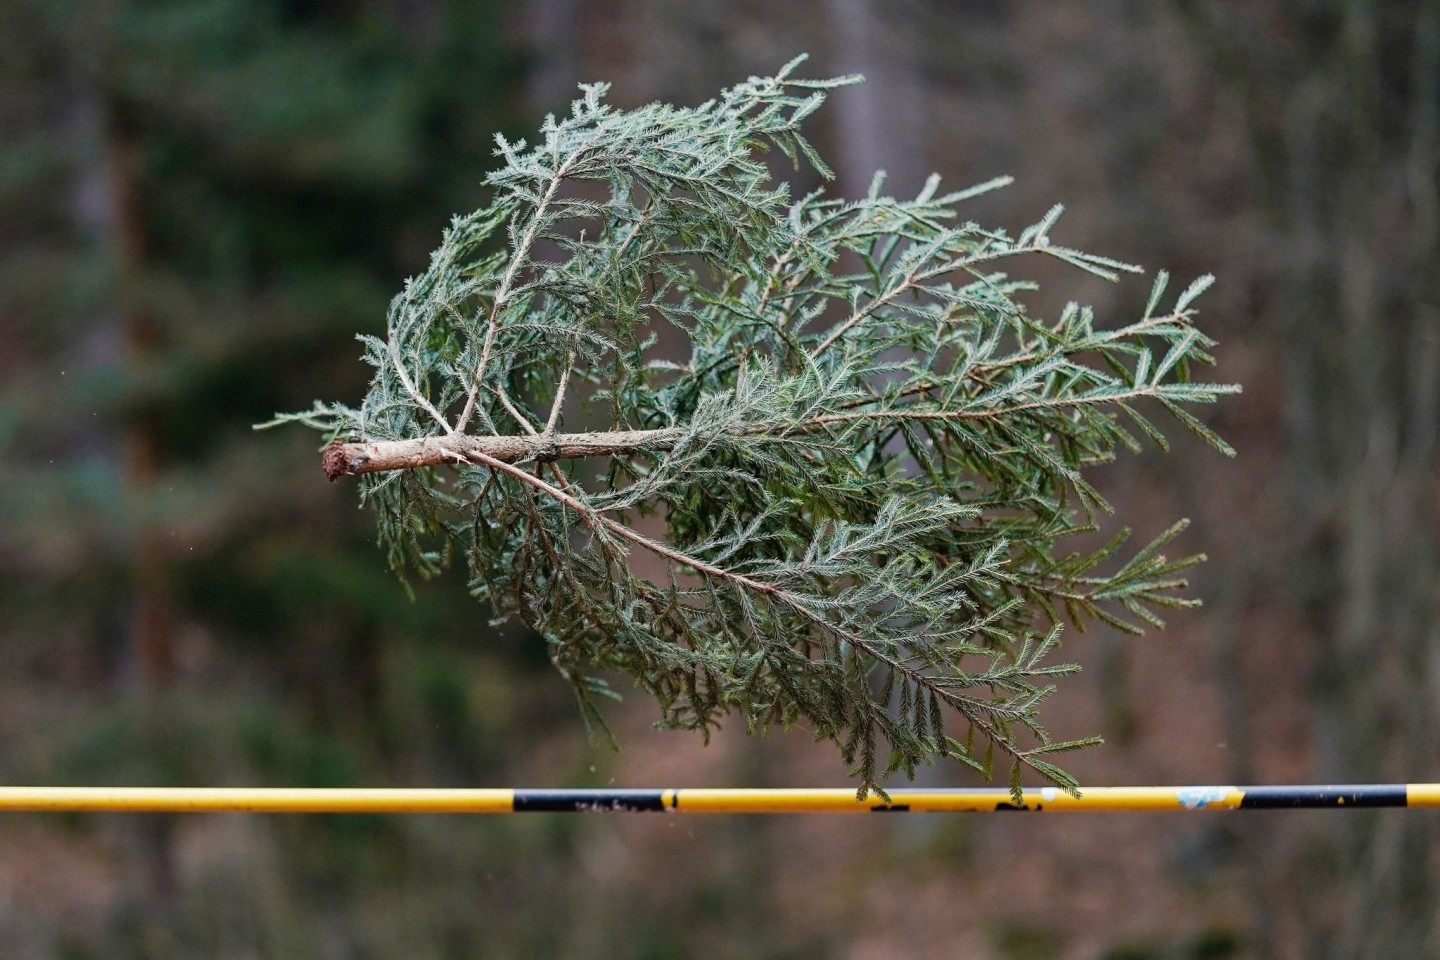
point(880, 124)
point(152, 622)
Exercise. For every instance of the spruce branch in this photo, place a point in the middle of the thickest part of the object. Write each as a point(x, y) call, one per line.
point(852, 478)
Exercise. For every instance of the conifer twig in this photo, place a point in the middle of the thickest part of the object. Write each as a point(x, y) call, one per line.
point(865, 459)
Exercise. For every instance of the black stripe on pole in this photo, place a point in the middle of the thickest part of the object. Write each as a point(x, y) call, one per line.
point(588, 801)
point(1278, 798)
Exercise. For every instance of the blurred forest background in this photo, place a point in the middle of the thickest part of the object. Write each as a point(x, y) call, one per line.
point(201, 202)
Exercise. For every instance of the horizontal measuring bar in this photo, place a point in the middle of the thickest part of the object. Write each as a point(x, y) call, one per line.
point(705, 800)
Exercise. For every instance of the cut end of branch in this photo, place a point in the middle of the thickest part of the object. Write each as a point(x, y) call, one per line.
point(336, 462)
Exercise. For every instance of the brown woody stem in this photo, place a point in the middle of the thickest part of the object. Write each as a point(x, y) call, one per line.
point(349, 459)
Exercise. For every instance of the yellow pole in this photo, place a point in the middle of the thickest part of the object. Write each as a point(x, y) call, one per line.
point(702, 800)
point(1422, 794)
point(253, 800)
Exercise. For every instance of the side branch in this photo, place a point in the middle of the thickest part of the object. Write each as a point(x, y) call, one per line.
point(349, 459)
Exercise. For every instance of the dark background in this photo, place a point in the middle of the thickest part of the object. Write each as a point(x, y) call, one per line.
point(202, 202)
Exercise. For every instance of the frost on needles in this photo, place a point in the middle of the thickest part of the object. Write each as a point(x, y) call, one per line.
point(802, 460)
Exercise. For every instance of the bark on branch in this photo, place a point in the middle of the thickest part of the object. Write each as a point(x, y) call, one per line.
point(349, 459)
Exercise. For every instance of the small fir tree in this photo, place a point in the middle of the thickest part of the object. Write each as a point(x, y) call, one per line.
point(839, 507)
